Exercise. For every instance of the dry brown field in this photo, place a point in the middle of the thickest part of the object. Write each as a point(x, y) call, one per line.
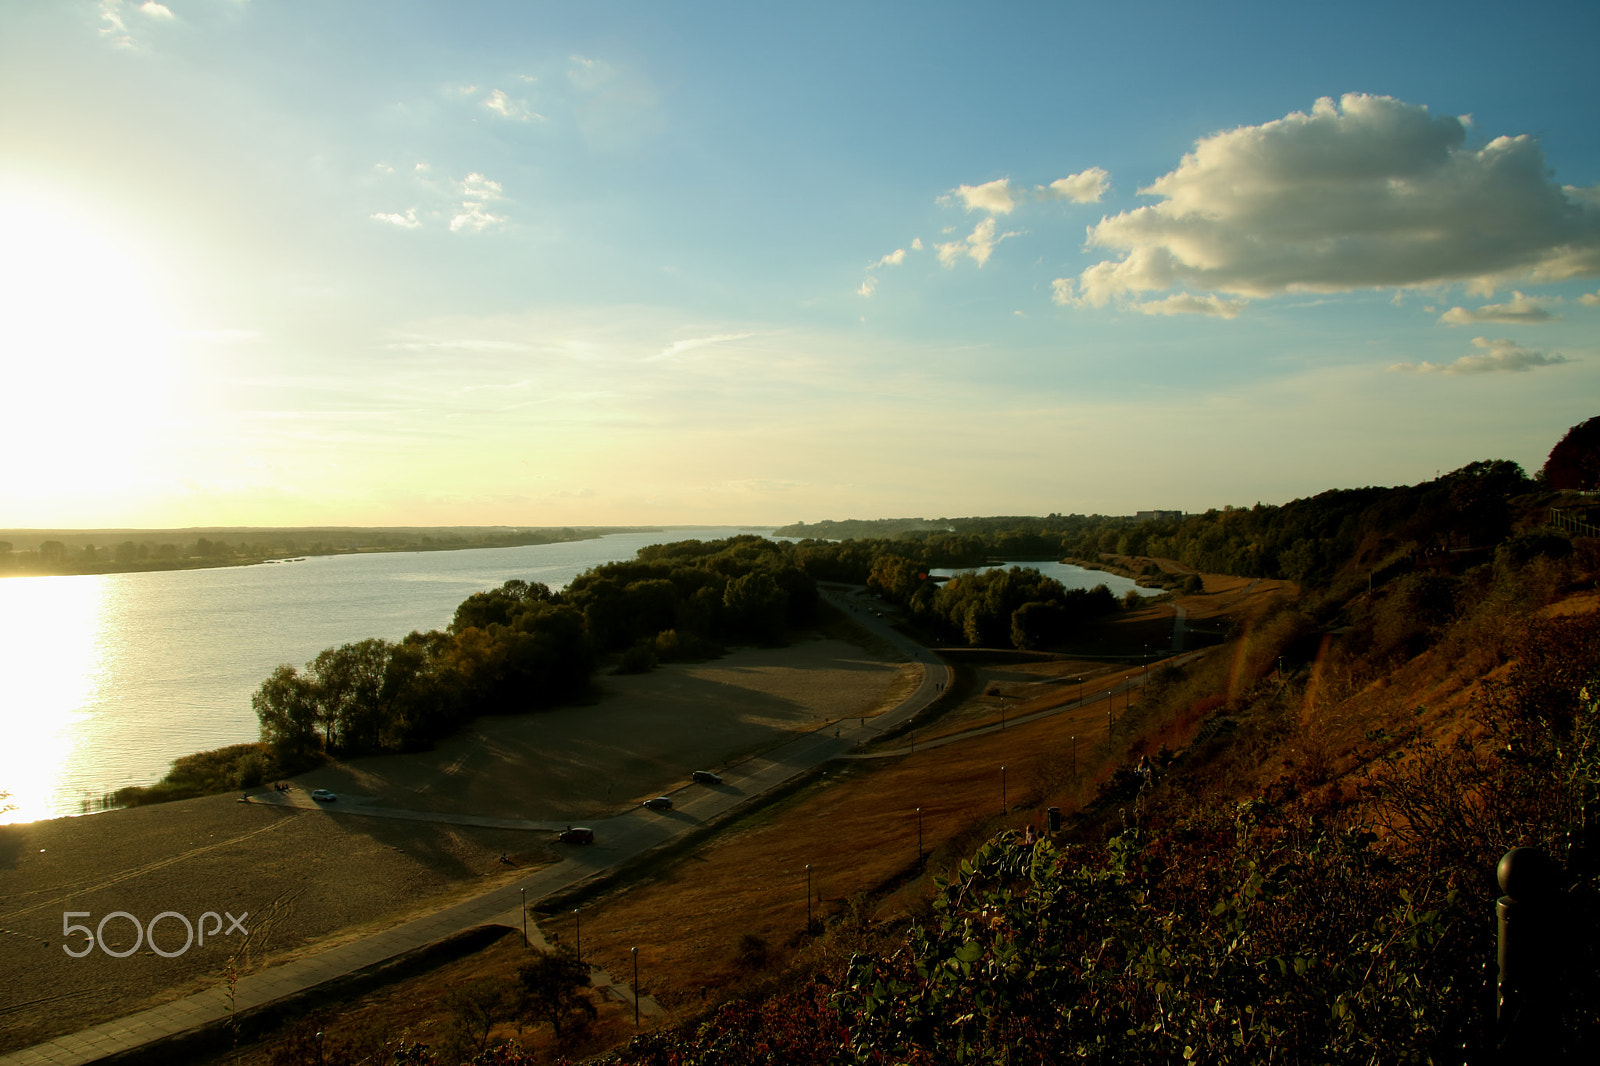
point(310, 878)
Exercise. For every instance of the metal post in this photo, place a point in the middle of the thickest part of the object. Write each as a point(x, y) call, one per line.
point(577, 920)
point(524, 894)
point(919, 836)
point(1002, 790)
point(808, 897)
point(1523, 993)
point(1074, 756)
point(635, 988)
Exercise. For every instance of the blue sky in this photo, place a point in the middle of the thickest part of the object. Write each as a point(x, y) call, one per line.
point(539, 264)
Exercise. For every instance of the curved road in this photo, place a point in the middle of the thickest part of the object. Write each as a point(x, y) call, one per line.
point(619, 840)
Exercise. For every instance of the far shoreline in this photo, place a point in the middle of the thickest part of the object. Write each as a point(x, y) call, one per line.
point(259, 545)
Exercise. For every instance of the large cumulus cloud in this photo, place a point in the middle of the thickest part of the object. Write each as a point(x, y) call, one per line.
point(1368, 192)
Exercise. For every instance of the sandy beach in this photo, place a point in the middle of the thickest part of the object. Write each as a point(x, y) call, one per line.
point(305, 876)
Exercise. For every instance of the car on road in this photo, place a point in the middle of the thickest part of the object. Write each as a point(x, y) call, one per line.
point(322, 795)
point(660, 803)
point(576, 834)
point(706, 777)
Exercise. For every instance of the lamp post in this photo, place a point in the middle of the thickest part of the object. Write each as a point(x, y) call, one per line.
point(1074, 757)
point(808, 897)
point(919, 836)
point(635, 987)
point(524, 893)
point(577, 921)
point(1002, 790)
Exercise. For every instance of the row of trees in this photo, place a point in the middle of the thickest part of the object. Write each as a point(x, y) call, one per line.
point(523, 647)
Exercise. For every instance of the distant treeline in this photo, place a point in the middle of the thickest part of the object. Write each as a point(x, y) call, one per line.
point(117, 551)
point(1312, 541)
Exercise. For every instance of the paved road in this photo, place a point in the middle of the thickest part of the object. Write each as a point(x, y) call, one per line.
point(619, 841)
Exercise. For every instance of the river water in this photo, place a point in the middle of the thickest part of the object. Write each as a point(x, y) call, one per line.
point(105, 679)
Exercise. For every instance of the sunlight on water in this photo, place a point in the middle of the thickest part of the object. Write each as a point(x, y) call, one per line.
point(49, 671)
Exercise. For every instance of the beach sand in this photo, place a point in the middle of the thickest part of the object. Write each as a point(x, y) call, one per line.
point(307, 878)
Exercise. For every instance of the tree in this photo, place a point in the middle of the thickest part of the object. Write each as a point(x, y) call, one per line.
point(554, 989)
point(1574, 462)
point(757, 605)
point(286, 707)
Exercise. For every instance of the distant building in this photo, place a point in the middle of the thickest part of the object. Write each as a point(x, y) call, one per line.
point(1157, 516)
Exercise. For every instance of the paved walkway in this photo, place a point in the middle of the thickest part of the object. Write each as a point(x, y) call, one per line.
point(618, 841)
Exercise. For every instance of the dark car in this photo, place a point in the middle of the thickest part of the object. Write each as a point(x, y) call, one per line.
point(706, 777)
point(660, 803)
point(576, 835)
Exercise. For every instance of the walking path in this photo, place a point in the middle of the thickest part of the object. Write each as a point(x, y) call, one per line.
point(618, 841)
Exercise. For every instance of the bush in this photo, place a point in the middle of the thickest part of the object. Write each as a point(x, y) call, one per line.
point(639, 659)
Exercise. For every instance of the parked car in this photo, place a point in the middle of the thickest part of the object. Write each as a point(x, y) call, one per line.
point(706, 777)
point(660, 803)
point(576, 834)
point(323, 795)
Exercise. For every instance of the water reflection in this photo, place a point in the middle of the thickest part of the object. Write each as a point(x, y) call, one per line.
point(50, 670)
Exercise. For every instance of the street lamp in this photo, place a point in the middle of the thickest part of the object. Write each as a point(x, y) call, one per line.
point(919, 836)
point(1002, 790)
point(635, 987)
point(808, 897)
point(577, 921)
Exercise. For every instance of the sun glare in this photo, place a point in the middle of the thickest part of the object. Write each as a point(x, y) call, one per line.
point(85, 354)
point(48, 639)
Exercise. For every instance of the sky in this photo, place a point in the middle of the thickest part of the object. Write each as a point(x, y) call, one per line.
point(286, 262)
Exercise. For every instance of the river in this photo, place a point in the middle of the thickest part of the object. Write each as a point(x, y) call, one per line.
point(105, 679)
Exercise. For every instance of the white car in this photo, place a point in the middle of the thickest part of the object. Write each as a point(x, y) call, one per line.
point(322, 795)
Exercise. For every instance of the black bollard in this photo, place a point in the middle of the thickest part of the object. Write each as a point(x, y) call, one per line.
point(1524, 993)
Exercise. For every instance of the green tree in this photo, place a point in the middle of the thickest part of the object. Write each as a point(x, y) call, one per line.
point(757, 605)
point(286, 707)
point(554, 988)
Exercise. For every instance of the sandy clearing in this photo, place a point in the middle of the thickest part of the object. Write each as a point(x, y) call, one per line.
point(305, 876)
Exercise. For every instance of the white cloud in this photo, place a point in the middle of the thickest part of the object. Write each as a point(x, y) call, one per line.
point(916, 244)
point(1061, 292)
point(868, 286)
point(1370, 192)
point(155, 10)
point(476, 190)
point(677, 348)
point(977, 245)
point(1085, 187)
point(405, 221)
point(992, 196)
point(1520, 310)
point(477, 187)
point(473, 218)
point(1590, 299)
point(894, 258)
point(1184, 303)
point(1494, 355)
point(998, 197)
point(517, 110)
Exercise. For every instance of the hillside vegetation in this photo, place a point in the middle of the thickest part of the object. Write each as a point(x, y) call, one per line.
point(1290, 853)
